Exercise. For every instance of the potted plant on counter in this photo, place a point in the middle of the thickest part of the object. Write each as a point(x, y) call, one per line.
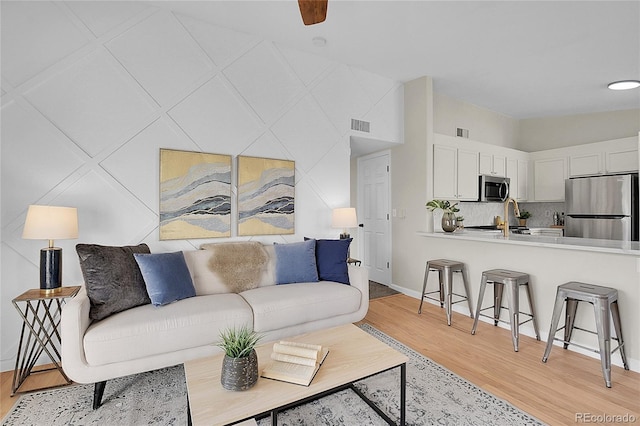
point(524, 215)
point(449, 222)
point(240, 364)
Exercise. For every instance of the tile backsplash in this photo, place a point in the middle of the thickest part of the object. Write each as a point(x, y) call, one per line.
point(539, 218)
point(476, 214)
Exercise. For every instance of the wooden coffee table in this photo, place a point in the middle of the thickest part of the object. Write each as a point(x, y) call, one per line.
point(353, 355)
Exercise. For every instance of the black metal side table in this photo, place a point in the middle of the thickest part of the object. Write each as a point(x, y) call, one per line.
point(40, 322)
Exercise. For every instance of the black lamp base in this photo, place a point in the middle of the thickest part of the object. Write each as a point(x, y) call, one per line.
point(344, 236)
point(50, 269)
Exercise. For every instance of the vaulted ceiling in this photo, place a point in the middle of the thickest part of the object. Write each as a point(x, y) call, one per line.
point(519, 58)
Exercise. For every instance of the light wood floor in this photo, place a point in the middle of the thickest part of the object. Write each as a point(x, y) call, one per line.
point(569, 383)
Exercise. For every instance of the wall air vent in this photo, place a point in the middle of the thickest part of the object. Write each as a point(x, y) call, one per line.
point(462, 133)
point(359, 125)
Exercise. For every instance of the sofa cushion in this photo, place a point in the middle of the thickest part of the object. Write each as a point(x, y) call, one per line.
point(112, 277)
point(166, 276)
point(286, 305)
point(146, 330)
point(331, 257)
point(296, 262)
point(230, 267)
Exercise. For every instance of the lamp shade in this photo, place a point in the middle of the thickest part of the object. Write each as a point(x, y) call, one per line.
point(344, 218)
point(50, 223)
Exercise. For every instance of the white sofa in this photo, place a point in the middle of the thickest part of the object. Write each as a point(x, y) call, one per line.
point(147, 338)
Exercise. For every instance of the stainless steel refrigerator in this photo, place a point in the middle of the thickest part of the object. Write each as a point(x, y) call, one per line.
point(602, 207)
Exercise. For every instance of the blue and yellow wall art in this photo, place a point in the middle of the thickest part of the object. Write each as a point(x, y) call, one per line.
point(195, 195)
point(266, 189)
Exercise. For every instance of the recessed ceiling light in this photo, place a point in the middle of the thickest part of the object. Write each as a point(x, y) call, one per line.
point(319, 41)
point(624, 85)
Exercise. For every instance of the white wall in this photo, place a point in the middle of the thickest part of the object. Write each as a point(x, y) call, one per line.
point(411, 185)
point(484, 125)
point(92, 90)
point(537, 134)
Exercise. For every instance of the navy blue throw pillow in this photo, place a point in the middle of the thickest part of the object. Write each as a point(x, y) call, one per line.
point(331, 257)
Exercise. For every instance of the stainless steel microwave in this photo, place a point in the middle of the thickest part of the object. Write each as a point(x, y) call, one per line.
point(494, 188)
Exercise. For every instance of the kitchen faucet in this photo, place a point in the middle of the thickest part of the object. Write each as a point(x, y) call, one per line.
point(516, 212)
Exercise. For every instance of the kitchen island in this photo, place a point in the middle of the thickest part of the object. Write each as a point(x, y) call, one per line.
point(550, 261)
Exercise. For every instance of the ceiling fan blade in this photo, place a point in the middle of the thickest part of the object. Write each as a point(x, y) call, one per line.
point(313, 11)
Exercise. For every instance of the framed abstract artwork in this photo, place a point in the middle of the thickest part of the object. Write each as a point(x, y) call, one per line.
point(266, 190)
point(195, 195)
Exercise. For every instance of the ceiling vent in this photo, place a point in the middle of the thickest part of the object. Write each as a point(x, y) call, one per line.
point(462, 133)
point(359, 125)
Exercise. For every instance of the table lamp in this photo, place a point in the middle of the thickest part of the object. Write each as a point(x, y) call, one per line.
point(344, 218)
point(50, 223)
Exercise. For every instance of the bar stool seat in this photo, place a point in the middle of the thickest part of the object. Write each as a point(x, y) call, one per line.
point(445, 269)
point(605, 305)
point(513, 280)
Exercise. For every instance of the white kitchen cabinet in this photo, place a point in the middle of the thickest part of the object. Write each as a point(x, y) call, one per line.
point(468, 183)
point(491, 164)
point(549, 175)
point(455, 173)
point(523, 180)
point(517, 172)
point(585, 165)
point(625, 160)
point(615, 156)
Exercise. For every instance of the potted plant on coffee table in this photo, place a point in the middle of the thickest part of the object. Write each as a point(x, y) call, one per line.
point(240, 364)
point(449, 223)
point(524, 215)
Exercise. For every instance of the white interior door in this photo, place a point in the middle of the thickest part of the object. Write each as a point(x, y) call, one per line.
point(373, 214)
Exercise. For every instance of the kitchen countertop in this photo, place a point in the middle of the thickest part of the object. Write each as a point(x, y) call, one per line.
point(629, 248)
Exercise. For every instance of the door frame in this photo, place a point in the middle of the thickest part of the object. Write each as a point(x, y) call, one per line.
point(360, 207)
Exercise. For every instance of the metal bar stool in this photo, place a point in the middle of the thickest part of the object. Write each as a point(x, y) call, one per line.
point(605, 305)
point(513, 280)
point(445, 269)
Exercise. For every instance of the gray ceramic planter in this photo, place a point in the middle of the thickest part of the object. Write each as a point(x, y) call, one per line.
point(239, 374)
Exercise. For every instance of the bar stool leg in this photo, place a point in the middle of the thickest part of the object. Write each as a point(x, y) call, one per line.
point(604, 338)
point(424, 287)
point(448, 292)
point(466, 290)
point(441, 287)
point(483, 286)
point(570, 318)
point(615, 314)
point(498, 288)
point(513, 301)
point(557, 310)
point(533, 312)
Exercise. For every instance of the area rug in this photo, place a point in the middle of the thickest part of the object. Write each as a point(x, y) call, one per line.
point(377, 290)
point(435, 396)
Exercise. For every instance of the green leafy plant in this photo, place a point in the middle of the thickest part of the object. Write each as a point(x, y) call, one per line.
point(524, 214)
point(238, 343)
point(445, 205)
point(459, 218)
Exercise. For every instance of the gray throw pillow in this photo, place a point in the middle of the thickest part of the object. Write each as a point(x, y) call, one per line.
point(112, 277)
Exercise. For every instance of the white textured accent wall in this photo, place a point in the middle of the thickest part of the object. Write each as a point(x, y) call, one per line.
point(92, 90)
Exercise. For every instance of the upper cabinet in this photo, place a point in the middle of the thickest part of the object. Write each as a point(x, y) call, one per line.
point(492, 164)
point(615, 156)
point(549, 175)
point(455, 173)
point(535, 176)
point(518, 174)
